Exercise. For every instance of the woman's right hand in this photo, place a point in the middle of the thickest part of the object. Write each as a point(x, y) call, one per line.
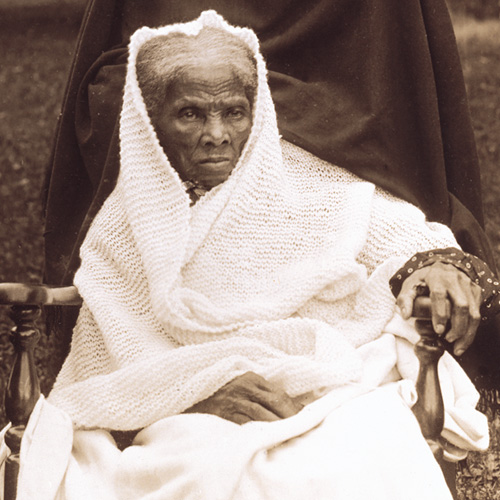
point(247, 398)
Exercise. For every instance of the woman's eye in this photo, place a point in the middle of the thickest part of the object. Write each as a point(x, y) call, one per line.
point(189, 114)
point(235, 113)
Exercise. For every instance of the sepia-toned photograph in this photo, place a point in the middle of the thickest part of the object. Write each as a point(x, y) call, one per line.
point(249, 249)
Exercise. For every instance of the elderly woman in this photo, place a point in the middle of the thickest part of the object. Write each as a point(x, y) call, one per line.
point(233, 278)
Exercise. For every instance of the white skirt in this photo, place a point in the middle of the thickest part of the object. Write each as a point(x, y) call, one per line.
point(343, 446)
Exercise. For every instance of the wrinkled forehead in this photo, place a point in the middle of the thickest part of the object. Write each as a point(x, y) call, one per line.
point(171, 54)
point(208, 81)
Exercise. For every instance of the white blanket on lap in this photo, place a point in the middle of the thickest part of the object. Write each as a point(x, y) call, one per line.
point(281, 270)
point(356, 442)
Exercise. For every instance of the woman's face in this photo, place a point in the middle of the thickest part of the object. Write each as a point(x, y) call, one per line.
point(204, 123)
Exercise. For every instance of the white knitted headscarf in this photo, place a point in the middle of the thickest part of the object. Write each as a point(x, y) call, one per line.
point(267, 272)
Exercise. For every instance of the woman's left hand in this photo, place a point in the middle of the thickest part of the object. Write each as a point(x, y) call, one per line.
point(446, 282)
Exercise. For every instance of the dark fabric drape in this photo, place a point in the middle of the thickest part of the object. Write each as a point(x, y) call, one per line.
point(374, 86)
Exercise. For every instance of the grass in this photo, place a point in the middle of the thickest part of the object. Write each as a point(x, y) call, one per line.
point(35, 63)
point(479, 45)
point(33, 73)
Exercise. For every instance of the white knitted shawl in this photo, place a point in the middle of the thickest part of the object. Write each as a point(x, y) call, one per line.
point(283, 270)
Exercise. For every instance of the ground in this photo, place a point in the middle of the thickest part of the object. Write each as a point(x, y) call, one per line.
point(35, 65)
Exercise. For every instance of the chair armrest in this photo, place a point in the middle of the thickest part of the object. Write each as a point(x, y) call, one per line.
point(20, 294)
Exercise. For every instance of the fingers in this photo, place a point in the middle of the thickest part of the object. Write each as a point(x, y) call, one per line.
point(474, 318)
point(272, 398)
point(248, 411)
point(461, 297)
point(465, 297)
point(447, 284)
point(278, 402)
point(440, 308)
point(408, 293)
point(246, 398)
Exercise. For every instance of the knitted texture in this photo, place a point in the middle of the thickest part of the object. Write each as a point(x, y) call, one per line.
point(282, 269)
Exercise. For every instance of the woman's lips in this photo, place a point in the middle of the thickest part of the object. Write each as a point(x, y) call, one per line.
point(216, 163)
point(217, 159)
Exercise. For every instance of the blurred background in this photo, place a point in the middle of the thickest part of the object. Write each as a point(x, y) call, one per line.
point(37, 39)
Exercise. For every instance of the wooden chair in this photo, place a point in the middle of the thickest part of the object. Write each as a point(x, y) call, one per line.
point(23, 389)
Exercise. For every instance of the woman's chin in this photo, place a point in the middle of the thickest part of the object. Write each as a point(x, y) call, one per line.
point(211, 174)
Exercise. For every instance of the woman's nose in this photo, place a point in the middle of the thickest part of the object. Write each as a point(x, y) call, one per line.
point(215, 132)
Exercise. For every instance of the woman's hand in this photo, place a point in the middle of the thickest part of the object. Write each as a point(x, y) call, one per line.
point(246, 398)
point(446, 282)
